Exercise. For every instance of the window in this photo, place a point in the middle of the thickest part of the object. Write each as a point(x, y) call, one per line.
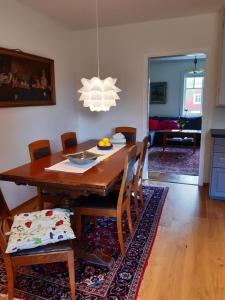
point(197, 98)
point(193, 95)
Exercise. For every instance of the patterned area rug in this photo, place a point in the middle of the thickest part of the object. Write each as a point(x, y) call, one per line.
point(175, 160)
point(96, 282)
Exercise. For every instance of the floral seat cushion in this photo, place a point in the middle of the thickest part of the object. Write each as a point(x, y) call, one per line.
point(30, 230)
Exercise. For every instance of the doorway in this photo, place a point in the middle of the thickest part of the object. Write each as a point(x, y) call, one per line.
point(176, 96)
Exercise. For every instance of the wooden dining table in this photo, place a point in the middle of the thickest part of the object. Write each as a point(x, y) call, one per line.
point(100, 179)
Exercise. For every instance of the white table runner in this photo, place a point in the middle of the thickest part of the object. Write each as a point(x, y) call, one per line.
point(69, 167)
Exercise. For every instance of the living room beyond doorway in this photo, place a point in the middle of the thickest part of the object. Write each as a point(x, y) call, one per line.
point(176, 95)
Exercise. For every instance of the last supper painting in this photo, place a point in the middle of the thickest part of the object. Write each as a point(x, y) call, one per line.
point(25, 79)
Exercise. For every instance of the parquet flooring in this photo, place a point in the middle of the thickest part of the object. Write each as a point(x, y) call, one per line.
point(188, 258)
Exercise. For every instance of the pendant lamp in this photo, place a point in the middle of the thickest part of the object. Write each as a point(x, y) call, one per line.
point(98, 94)
point(196, 71)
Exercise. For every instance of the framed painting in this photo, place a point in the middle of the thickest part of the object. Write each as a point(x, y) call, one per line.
point(158, 92)
point(25, 79)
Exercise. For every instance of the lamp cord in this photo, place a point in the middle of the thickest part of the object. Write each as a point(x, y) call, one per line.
point(97, 34)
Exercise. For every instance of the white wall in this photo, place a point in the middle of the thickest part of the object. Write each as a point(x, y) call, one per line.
point(173, 73)
point(22, 28)
point(124, 52)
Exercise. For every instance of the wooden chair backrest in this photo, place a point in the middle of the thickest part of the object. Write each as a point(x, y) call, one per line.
point(141, 161)
point(69, 139)
point(128, 132)
point(127, 180)
point(39, 149)
point(4, 214)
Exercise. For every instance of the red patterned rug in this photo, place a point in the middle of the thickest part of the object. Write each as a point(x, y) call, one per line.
point(175, 160)
point(96, 282)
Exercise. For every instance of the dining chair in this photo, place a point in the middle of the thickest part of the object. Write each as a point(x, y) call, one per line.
point(37, 150)
point(58, 252)
point(113, 205)
point(69, 139)
point(128, 132)
point(138, 181)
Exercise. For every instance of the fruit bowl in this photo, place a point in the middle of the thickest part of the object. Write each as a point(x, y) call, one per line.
point(104, 144)
point(105, 147)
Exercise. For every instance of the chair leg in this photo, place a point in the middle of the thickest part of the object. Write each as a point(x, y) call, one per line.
point(10, 278)
point(70, 262)
point(129, 219)
point(93, 221)
point(141, 195)
point(78, 226)
point(120, 235)
point(14, 273)
point(136, 201)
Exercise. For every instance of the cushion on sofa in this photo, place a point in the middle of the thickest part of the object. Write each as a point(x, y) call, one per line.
point(162, 125)
point(153, 124)
point(172, 124)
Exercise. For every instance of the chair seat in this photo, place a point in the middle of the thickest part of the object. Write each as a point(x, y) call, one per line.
point(60, 246)
point(93, 201)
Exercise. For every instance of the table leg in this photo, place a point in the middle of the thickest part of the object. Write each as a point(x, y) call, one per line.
point(81, 248)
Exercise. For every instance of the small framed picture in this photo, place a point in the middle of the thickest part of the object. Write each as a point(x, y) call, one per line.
point(158, 92)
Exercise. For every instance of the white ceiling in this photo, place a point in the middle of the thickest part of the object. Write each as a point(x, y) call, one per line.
point(80, 14)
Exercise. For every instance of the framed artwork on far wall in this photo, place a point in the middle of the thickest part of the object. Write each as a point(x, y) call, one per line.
point(25, 79)
point(158, 92)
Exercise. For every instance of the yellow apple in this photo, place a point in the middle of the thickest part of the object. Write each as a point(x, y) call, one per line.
point(105, 140)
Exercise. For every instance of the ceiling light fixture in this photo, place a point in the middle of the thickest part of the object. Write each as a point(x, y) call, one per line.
point(97, 94)
point(196, 71)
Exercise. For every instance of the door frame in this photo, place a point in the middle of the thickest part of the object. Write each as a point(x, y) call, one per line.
point(205, 103)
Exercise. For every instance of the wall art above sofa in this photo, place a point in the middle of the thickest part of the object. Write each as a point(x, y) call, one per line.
point(158, 92)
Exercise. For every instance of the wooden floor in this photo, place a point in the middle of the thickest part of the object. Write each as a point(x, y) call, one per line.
point(188, 256)
point(171, 177)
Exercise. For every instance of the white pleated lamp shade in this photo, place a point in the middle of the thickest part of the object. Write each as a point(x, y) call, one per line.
point(99, 95)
